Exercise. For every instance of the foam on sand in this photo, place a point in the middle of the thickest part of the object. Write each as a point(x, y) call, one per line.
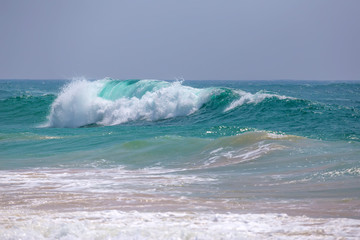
point(171, 225)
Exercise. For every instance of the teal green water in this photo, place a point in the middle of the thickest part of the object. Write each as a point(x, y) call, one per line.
point(271, 136)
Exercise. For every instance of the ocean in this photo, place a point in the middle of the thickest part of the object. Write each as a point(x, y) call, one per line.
point(154, 159)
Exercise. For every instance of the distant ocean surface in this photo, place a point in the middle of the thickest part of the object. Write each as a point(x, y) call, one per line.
point(151, 159)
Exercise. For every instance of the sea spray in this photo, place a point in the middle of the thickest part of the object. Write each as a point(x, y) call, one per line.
point(77, 104)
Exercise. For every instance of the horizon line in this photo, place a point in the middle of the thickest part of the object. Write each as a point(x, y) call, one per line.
point(175, 79)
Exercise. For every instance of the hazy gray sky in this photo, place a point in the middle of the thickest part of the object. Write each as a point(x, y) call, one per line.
point(190, 39)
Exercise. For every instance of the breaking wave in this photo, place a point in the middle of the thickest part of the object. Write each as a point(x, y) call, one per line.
point(112, 102)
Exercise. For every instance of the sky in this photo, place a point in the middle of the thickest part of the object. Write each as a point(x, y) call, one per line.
point(187, 39)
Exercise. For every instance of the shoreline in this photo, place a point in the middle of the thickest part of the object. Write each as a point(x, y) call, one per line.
point(66, 190)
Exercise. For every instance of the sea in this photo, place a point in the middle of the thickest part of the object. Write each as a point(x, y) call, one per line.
point(156, 159)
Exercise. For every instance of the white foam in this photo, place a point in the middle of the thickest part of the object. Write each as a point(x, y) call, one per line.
point(116, 180)
point(114, 224)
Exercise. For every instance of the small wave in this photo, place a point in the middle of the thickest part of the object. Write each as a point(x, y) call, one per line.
point(24, 97)
point(244, 147)
point(246, 97)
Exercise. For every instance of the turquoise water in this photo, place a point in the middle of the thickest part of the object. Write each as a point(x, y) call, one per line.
point(221, 146)
point(47, 120)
